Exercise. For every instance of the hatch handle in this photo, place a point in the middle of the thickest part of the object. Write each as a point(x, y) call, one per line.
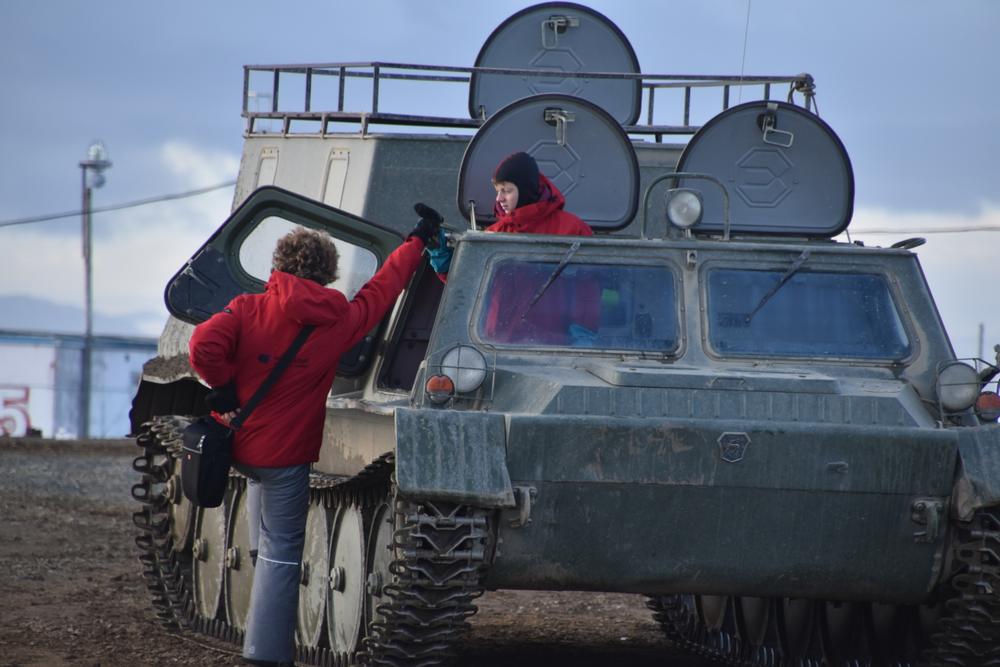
point(559, 118)
point(768, 123)
point(556, 25)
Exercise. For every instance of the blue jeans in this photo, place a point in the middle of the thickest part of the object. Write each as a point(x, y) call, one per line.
point(277, 506)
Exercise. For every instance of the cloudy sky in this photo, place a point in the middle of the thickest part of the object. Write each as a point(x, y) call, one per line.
point(911, 87)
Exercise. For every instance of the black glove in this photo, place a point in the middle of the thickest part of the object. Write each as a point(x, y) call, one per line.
point(427, 227)
point(223, 399)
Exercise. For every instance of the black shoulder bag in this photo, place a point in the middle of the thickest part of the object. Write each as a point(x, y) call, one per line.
point(207, 449)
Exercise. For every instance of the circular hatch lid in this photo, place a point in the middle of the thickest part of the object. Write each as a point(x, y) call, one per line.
point(557, 37)
point(577, 145)
point(786, 171)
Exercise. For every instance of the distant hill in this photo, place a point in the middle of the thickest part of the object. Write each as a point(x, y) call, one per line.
point(32, 314)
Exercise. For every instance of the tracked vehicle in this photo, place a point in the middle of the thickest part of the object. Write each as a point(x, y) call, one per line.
point(712, 402)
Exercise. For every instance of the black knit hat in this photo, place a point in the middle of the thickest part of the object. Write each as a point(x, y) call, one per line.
point(521, 170)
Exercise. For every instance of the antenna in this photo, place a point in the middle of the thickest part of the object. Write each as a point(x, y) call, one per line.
point(743, 62)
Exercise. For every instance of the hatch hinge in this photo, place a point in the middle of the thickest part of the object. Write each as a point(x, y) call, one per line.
point(523, 497)
point(927, 512)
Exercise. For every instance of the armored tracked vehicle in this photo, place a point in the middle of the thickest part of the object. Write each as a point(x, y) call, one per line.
point(711, 402)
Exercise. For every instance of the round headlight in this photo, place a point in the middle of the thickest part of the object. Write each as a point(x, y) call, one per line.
point(684, 207)
point(466, 367)
point(958, 386)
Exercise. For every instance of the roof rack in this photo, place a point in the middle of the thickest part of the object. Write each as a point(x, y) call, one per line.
point(303, 112)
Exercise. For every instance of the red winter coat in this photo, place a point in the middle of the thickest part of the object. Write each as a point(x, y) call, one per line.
point(509, 319)
point(243, 342)
point(545, 216)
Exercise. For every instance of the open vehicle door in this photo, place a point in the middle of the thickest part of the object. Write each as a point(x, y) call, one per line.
point(237, 258)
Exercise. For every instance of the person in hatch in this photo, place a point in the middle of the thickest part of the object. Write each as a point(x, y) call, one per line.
point(527, 202)
point(236, 349)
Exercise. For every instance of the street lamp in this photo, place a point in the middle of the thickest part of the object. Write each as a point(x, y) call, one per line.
point(92, 176)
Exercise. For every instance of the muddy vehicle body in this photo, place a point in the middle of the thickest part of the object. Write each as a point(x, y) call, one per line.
point(710, 402)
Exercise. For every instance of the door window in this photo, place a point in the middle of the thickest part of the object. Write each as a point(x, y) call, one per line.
point(355, 265)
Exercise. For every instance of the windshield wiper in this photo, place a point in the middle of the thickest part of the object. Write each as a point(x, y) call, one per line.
point(552, 277)
point(796, 265)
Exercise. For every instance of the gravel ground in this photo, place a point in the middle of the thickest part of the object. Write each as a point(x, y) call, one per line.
point(71, 591)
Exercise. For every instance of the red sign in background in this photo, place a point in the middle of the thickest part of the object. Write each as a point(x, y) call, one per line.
point(15, 420)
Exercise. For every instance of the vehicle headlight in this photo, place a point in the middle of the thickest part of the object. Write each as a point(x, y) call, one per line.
point(957, 386)
point(684, 207)
point(466, 366)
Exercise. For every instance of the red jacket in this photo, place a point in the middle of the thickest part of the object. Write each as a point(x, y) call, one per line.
point(509, 319)
point(545, 216)
point(243, 342)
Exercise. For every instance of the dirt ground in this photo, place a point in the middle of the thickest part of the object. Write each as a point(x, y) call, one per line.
point(71, 591)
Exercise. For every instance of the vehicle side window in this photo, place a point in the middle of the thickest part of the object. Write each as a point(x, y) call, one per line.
point(820, 314)
point(355, 265)
point(602, 306)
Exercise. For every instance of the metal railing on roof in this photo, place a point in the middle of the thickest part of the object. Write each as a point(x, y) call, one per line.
point(291, 113)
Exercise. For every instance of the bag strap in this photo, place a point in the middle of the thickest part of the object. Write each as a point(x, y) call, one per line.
point(272, 377)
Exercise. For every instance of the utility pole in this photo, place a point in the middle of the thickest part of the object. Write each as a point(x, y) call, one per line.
point(979, 355)
point(91, 171)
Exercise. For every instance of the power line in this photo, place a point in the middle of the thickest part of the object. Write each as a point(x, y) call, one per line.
point(928, 230)
point(211, 188)
point(117, 207)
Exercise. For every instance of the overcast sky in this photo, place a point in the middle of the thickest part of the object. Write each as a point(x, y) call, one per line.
point(910, 86)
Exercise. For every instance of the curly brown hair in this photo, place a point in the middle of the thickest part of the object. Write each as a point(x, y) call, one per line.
point(307, 254)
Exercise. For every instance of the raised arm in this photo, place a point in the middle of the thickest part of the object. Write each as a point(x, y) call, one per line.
point(373, 300)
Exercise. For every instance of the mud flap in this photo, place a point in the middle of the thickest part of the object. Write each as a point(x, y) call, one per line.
point(978, 483)
point(454, 456)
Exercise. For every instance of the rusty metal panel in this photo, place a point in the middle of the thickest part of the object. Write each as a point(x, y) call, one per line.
point(451, 455)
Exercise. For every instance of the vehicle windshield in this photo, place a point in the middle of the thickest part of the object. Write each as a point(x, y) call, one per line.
point(815, 314)
point(606, 306)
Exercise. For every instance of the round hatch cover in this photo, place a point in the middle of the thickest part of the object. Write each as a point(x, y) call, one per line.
point(577, 145)
point(557, 37)
point(786, 171)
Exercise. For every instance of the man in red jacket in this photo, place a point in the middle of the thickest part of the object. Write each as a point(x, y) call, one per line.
point(236, 349)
